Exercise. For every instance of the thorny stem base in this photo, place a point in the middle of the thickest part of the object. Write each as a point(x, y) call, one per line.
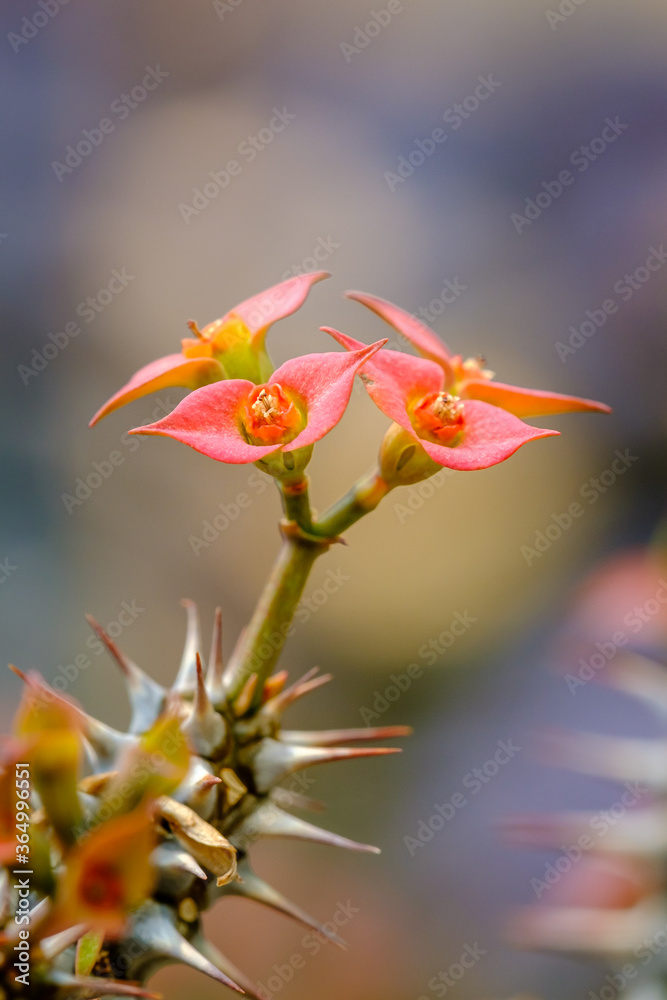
point(304, 539)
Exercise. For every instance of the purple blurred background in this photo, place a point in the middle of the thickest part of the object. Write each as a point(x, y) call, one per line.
point(343, 99)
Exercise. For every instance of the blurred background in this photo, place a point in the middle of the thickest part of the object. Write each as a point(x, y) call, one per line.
point(329, 110)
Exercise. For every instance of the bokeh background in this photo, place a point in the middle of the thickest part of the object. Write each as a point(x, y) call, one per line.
point(359, 100)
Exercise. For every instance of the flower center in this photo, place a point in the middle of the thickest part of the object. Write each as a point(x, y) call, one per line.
point(102, 888)
point(271, 417)
point(440, 416)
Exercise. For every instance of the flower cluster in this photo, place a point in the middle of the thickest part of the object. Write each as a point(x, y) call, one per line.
point(446, 411)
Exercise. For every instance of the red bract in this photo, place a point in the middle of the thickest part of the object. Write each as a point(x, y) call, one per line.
point(470, 379)
point(231, 347)
point(236, 421)
point(459, 434)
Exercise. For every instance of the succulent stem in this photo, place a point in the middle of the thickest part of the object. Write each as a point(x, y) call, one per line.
point(261, 643)
point(259, 647)
point(361, 499)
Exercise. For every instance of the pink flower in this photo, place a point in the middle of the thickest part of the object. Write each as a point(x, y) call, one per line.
point(231, 347)
point(236, 421)
point(457, 433)
point(470, 379)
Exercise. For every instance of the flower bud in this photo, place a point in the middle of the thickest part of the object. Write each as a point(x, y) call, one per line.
point(286, 465)
point(402, 460)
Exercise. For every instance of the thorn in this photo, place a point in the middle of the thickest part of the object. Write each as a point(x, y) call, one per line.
point(209, 950)
point(146, 695)
point(610, 757)
point(205, 728)
point(251, 886)
point(333, 737)
point(294, 800)
point(100, 986)
point(269, 821)
point(187, 673)
point(215, 662)
point(155, 931)
point(105, 741)
point(171, 855)
point(244, 700)
point(207, 782)
point(274, 761)
point(274, 685)
point(56, 943)
point(309, 682)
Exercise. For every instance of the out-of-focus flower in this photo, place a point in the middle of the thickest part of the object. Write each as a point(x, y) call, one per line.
point(107, 875)
point(50, 734)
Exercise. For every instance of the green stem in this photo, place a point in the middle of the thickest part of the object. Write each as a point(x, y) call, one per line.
point(260, 645)
point(364, 497)
point(296, 503)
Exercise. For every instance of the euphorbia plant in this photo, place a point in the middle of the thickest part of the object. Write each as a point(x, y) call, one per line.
point(197, 778)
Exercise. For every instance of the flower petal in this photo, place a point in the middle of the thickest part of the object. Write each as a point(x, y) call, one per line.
point(528, 402)
point(324, 382)
point(173, 370)
point(391, 378)
point(107, 874)
point(426, 342)
point(208, 421)
point(490, 436)
point(261, 311)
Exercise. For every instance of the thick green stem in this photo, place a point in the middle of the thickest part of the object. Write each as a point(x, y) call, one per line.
point(260, 645)
point(296, 504)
